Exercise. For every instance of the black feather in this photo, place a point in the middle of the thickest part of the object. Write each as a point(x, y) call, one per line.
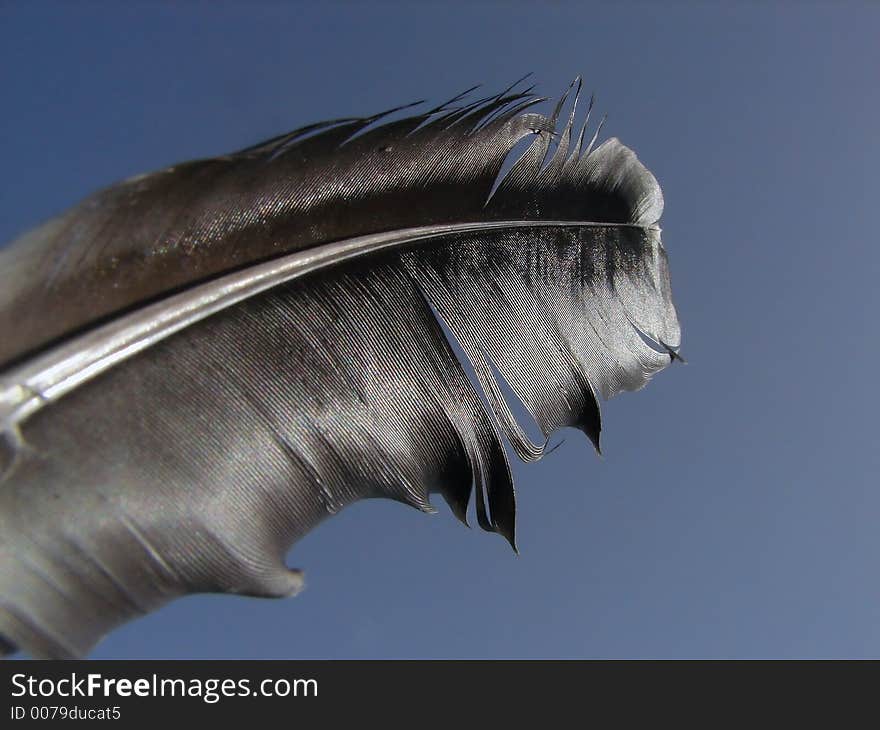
point(203, 363)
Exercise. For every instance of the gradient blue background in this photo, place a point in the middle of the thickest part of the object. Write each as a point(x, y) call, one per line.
point(735, 512)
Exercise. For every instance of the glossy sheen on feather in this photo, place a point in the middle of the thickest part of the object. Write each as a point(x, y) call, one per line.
point(194, 463)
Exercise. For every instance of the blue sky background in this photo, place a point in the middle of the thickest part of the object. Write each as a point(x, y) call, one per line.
point(735, 511)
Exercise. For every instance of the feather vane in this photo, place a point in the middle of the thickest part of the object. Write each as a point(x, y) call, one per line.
point(201, 364)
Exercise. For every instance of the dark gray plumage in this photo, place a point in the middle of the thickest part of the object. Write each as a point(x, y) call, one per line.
point(199, 365)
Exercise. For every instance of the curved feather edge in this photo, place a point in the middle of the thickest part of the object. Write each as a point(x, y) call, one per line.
point(193, 458)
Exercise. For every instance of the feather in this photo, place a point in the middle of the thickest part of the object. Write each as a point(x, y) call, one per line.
point(201, 364)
